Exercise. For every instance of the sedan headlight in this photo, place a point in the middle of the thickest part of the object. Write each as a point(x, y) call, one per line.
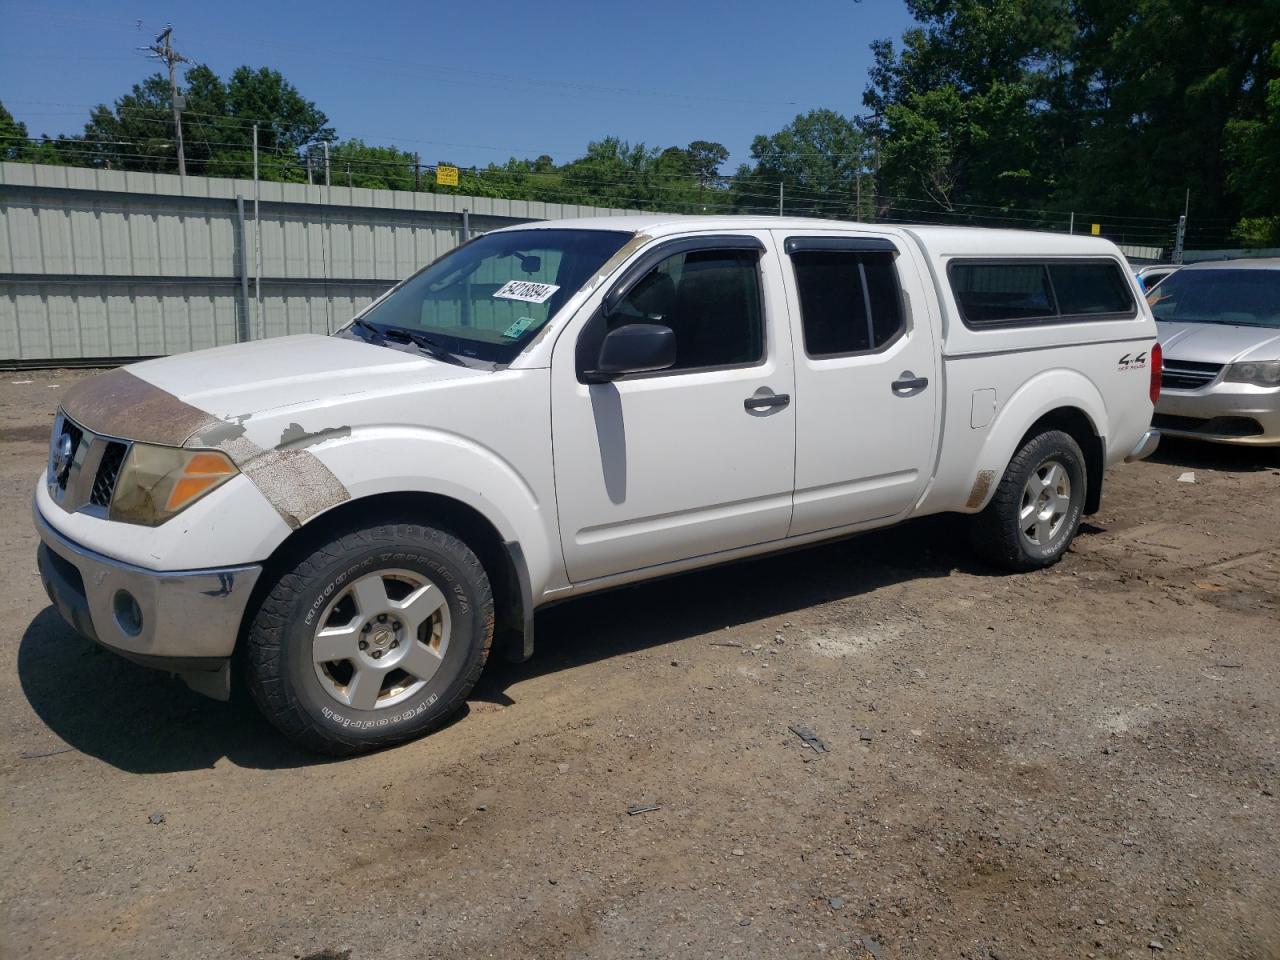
point(1263, 374)
point(157, 482)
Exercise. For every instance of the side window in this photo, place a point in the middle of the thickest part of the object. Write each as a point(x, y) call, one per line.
point(710, 298)
point(1019, 292)
point(1000, 292)
point(1090, 288)
point(849, 301)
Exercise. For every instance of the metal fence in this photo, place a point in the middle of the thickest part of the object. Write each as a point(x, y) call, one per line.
point(108, 265)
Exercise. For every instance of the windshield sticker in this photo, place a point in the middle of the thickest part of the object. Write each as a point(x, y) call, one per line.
point(526, 290)
point(520, 326)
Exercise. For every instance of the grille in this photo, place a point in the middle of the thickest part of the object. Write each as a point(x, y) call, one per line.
point(69, 429)
point(1188, 374)
point(88, 482)
point(104, 484)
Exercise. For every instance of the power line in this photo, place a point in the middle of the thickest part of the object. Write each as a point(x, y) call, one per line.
point(651, 190)
point(444, 73)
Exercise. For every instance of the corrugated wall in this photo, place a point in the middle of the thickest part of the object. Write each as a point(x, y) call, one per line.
point(104, 264)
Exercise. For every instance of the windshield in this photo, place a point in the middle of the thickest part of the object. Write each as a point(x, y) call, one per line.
point(488, 298)
point(1250, 298)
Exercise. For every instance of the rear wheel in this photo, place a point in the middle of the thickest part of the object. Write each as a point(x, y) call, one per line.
point(372, 639)
point(1036, 510)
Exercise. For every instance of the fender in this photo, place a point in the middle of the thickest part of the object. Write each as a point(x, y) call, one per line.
point(1043, 393)
point(415, 459)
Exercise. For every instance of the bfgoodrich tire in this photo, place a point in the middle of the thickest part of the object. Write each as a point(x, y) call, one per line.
point(372, 639)
point(1036, 510)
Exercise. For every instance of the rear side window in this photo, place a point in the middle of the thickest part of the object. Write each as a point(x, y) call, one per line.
point(1084, 288)
point(1023, 292)
point(849, 301)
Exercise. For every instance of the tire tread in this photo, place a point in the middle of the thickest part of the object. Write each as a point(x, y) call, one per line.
point(264, 648)
point(994, 532)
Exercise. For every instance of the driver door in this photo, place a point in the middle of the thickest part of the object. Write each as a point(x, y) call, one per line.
point(693, 460)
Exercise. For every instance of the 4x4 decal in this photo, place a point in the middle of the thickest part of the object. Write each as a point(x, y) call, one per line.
point(1134, 362)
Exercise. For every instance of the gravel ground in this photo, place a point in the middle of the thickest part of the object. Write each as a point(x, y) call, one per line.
point(1081, 762)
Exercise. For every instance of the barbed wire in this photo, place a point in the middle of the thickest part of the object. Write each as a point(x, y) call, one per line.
point(652, 190)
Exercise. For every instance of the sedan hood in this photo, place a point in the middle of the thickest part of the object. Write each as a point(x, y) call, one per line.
point(1218, 342)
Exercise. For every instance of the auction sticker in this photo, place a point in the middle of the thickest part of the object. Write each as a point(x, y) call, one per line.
point(526, 290)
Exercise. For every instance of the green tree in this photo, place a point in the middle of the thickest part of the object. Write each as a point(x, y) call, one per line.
point(1165, 83)
point(136, 133)
point(1089, 105)
point(705, 160)
point(15, 144)
point(1254, 146)
point(13, 136)
point(356, 163)
point(820, 159)
point(965, 113)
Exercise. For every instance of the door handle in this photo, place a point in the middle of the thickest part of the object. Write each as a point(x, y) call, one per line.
point(908, 383)
point(767, 402)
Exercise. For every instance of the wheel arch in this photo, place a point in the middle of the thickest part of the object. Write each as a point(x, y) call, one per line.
point(1056, 399)
point(503, 560)
point(1076, 424)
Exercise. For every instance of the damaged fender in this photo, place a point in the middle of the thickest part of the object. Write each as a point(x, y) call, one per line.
point(292, 479)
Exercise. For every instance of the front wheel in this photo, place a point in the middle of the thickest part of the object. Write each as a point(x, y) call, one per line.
point(1036, 510)
point(372, 639)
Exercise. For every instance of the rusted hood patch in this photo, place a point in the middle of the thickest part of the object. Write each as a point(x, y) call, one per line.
point(294, 481)
point(119, 404)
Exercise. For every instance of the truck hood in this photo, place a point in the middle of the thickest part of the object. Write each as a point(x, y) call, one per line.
point(1218, 342)
point(246, 379)
point(192, 397)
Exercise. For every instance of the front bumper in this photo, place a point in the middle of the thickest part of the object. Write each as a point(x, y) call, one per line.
point(1223, 413)
point(183, 621)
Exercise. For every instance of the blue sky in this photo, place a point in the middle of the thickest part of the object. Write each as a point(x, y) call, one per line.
point(473, 82)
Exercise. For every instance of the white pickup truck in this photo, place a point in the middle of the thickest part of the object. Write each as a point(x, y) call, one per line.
point(563, 407)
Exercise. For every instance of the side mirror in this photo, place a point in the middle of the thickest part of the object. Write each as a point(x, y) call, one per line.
point(634, 348)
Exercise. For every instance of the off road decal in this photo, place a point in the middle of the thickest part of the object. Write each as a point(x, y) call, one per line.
point(1134, 361)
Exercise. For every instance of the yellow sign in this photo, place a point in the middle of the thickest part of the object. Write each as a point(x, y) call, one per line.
point(447, 176)
point(1096, 229)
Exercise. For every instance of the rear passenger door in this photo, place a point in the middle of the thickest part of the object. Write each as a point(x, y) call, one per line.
point(866, 369)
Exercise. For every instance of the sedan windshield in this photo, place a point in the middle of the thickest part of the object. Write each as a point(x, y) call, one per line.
point(1249, 298)
point(488, 298)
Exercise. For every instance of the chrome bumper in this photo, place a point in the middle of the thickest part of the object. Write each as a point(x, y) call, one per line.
point(1144, 447)
point(183, 621)
point(1206, 409)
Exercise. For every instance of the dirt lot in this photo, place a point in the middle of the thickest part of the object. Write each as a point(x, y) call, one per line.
point(1081, 762)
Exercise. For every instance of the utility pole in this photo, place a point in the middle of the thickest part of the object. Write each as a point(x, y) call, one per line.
point(1071, 227)
point(257, 240)
point(172, 58)
point(779, 198)
point(326, 164)
point(1180, 241)
point(417, 172)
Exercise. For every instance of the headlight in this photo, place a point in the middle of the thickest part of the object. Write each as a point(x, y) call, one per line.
point(157, 482)
point(1264, 374)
